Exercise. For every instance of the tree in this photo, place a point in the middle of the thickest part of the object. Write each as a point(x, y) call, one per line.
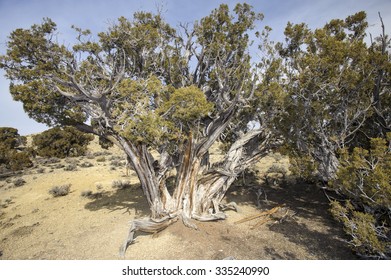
point(10, 156)
point(61, 142)
point(144, 85)
point(337, 90)
point(336, 118)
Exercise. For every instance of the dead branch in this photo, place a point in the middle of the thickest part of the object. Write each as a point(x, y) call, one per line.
point(277, 214)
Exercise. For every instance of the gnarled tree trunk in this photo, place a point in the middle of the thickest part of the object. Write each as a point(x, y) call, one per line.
point(199, 188)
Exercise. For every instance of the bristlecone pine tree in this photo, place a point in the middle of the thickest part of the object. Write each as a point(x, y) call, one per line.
point(145, 86)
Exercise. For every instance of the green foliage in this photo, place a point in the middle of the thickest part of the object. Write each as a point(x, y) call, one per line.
point(333, 112)
point(144, 85)
point(19, 160)
point(365, 175)
point(332, 76)
point(10, 156)
point(140, 67)
point(61, 142)
point(364, 178)
point(186, 107)
point(368, 238)
point(303, 167)
point(31, 60)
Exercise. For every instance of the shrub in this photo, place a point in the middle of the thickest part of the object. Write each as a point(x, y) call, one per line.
point(70, 167)
point(10, 155)
point(19, 160)
point(19, 182)
point(276, 168)
point(86, 164)
point(364, 178)
point(87, 193)
point(41, 170)
point(58, 166)
point(101, 159)
point(116, 163)
point(120, 184)
point(60, 190)
point(5, 203)
point(61, 142)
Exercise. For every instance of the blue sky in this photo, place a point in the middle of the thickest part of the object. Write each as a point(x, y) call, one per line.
point(96, 15)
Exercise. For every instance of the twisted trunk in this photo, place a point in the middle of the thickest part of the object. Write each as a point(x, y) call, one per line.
point(199, 188)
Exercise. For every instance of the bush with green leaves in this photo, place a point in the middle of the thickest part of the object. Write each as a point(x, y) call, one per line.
point(364, 178)
point(10, 155)
point(61, 142)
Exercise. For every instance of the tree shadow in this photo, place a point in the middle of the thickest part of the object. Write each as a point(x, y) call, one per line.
point(322, 245)
point(127, 200)
point(312, 227)
point(274, 255)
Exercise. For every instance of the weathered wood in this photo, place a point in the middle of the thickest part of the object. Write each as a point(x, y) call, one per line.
point(262, 214)
point(148, 226)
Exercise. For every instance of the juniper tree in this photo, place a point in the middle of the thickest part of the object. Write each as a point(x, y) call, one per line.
point(61, 142)
point(10, 156)
point(144, 86)
point(335, 116)
point(337, 90)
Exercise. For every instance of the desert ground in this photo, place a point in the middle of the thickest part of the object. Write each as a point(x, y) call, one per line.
point(92, 221)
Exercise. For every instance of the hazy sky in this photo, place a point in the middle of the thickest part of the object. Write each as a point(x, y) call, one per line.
point(97, 14)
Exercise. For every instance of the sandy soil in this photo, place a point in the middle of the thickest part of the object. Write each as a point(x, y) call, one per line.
point(35, 225)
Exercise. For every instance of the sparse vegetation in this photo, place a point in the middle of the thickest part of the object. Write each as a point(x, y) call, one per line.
point(116, 163)
point(70, 167)
point(101, 159)
point(19, 182)
point(278, 168)
point(119, 184)
point(62, 190)
point(86, 164)
point(87, 194)
point(41, 170)
point(5, 203)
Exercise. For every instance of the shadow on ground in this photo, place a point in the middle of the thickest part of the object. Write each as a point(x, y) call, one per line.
point(127, 200)
point(312, 227)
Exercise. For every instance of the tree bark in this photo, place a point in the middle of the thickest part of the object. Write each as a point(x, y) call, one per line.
point(199, 188)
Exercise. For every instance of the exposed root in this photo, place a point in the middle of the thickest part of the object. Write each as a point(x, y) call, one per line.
point(210, 217)
point(187, 223)
point(154, 226)
point(146, 225)
point(229, 206)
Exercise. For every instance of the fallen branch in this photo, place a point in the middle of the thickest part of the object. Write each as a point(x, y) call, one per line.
point(265, 213)
point(277, 214)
